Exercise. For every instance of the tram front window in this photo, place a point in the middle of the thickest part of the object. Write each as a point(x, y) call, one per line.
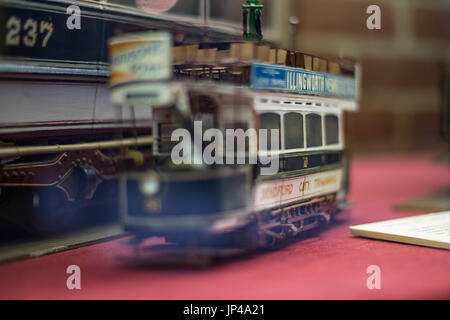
point(204, 109)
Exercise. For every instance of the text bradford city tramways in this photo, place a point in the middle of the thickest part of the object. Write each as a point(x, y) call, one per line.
point(242, 87)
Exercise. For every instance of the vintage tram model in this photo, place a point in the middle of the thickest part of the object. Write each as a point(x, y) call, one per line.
point(218, 177)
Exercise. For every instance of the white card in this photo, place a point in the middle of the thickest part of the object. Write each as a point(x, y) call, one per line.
point(432, 230)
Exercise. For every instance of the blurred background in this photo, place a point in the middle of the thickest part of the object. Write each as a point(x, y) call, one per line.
point(404, 64)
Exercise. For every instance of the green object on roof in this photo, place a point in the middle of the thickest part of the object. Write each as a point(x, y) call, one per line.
point(252, 20)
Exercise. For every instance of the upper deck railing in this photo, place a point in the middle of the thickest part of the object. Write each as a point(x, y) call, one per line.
point(260, 66)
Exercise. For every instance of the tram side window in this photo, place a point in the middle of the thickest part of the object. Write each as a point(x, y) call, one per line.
point(313, 130)
point(293, 130)
point(270, 121)
point(331, 129)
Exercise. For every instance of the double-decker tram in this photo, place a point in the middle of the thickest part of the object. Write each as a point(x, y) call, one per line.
point(219, 176)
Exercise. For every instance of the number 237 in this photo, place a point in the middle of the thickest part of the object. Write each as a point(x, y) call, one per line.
point(14, 26)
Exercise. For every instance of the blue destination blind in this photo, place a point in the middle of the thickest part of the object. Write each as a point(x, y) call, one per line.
point(275, 77)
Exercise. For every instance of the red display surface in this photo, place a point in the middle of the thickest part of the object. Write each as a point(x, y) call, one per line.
point(330, 264)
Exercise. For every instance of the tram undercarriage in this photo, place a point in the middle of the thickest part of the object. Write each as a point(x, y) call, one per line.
point(262, 230)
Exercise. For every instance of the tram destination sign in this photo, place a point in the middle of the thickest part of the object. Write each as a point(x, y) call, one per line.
point(296, 80)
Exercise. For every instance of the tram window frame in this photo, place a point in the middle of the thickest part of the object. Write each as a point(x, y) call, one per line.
point(336, 134)
point(300, 134)
point(269, 142)
point(318, 130)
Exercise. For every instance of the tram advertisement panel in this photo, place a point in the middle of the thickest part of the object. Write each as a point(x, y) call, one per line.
point(271, 194)
point(272, 77)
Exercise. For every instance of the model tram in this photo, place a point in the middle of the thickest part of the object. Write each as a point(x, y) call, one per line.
point(231, 86)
